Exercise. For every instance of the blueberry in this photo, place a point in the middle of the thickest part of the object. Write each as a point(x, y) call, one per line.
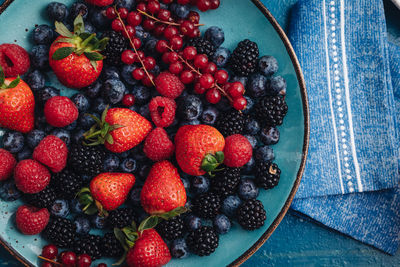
point(192, 222)
point(150, 45)
point(26, 153)
point(257, 85)
point(9, 192)
point(35, 79)
point(156, 70)
point(111, 163)
point(110, 73)
point(75, 206)
point(128, 4)
point(264, 154)
point(81, 102)
point(142, 215)
point(269, 135)
point(124, 155)
point(99, 105)
point(142, 94)
point(71, 126)
point(60, 208)
point(134, 196)
point(242, 79)
point(179, 249)
point(192, 122)
point(221, 224)
point(78, 136)
point(144, 171)
point(142, 34)
point(145, 112)
point(164, 6)
point(93, 90)
point(13, 141)
point(63, 134)
point(268, 65)
point(34, 137)
point(230, 205)
point(57, 11)
point(82, 225)
point(252, 127)
point(249, 166)
point(128, 165)
point(253, 140)
point(209, 115)
point(181, 11)
point(46, 93)
point(40, 57)
point(98, 18)
point(247, 189)
point(185, 182)
point(99, 222)
point(126, 74)
point(215, 35)
point(76, 9)
point(200, 184)
point(223, 105)
point(113, 90)
point(249, 106)
point(276, 85)
point(43, 34)
point(221, 57)
point(189, 108)
point(89, 28)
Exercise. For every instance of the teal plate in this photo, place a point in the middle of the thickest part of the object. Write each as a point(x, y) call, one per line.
point(240, 19)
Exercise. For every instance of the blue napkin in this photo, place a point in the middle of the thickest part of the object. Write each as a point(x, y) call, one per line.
point(352, 83)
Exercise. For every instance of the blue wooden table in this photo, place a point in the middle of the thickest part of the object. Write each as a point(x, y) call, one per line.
point(299, 242)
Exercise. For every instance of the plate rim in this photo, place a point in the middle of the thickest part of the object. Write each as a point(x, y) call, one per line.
point(303, 92)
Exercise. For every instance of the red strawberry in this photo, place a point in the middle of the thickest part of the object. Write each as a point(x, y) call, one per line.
point(100, 2)
point(162, 111)
point(157, 145)
point(163, 190)
point(197, 147)
point(31, 176)
point(237, 151)
point(52, 152)
point(125, 130)
point(60, 111)
point(111, 189)
point(7, 164)
point(14, 60)
point(149, 250)
point(31, 220)
point(74, 57)
point(169, 85)
point(17, 104)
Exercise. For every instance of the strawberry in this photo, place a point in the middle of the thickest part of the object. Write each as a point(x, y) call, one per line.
point(31, 220)
point(237, 151)
point(163, 190)
point(100, 2)
point(119, 129)
point(157, 145)
point(31, 176)
point(149, 250)
point(60, 111)
point(74, 57)
point(52, 152)
point(169, 85)
point(198, 149)
point(17, 104)
point(7, 164)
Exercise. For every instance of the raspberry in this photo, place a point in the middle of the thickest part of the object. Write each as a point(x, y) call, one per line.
point(7, 164)
point(31, 220)
point(169, 85)
point(52, 152)
point(14, 60)
point(60, 111)
point(162, 111)
point(237, 151)
point(157, 145)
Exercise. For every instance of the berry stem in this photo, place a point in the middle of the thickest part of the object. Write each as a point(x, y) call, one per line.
point(46, 259)
point(133, 45)
point(163, 21)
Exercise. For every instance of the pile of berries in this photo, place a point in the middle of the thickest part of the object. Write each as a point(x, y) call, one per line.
point(166, 141)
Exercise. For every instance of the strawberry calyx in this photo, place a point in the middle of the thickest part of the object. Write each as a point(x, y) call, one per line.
point(211, 162)
point(90, 205)
point(84, 42)
point(99, 133)
point(3, 85)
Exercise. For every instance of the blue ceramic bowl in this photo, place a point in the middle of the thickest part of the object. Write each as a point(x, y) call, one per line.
point(240, 19)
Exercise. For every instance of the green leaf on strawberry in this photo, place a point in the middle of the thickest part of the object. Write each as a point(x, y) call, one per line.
point(12, 84)
point(63, 30)
point(211, 162)
point(63, 52)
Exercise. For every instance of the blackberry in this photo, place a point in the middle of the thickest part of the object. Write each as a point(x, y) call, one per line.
point(243, 60)
point(267, 175)
point(110, 246)
point(271, 110)
point(120, 218)
point(226, 181)
point(206, 205)
point(66, 183)
point(43, 199)
point(60, 232)
point(171, 229)
point(202, 241)
point(203, 46)
point(87, 160)
point(251, 214)
point(88, 244)
point(231, 122)
point(116, 45)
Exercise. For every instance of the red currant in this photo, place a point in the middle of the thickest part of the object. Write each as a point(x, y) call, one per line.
point(130, 30)
point(198, 89)
point(68, 259)
point(123, 12)
point(167, 1)
point(110, 13)
point(102, 265)
point(148, 80)
point(50, 252)
point(159, 29)
point(134, 18)
point(186, 77)
point(149, 63)
point(138, 74)
point(206, 81)
point(137, 43)
point(210, 68)
point(183, 2)
point(170, 32)
point(175, 68)
point(128, 100)
point(221, 76)
point(195, 33)
point(194, 17)
point(236, 89)
point(214, 4)
point(173, 57)
point(200, 61)
point(176, 42)
point(83, 260)
point(153, 6)
point(162, 46)
point(47, 264)
point(148, 24)
point(128, 57)
point(164, 14)
point(117, 25)
point(140, 54)
point(239, 103)
point(189, 52)
point(186, 27)
point(141, 7)
point(213, 96)
point(203, 5)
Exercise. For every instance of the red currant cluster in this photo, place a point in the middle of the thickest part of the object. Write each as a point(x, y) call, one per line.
point(202, 5)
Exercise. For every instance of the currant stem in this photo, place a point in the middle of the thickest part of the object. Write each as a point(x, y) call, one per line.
point(163, 21)
point(46, 259)
point(133, 45)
